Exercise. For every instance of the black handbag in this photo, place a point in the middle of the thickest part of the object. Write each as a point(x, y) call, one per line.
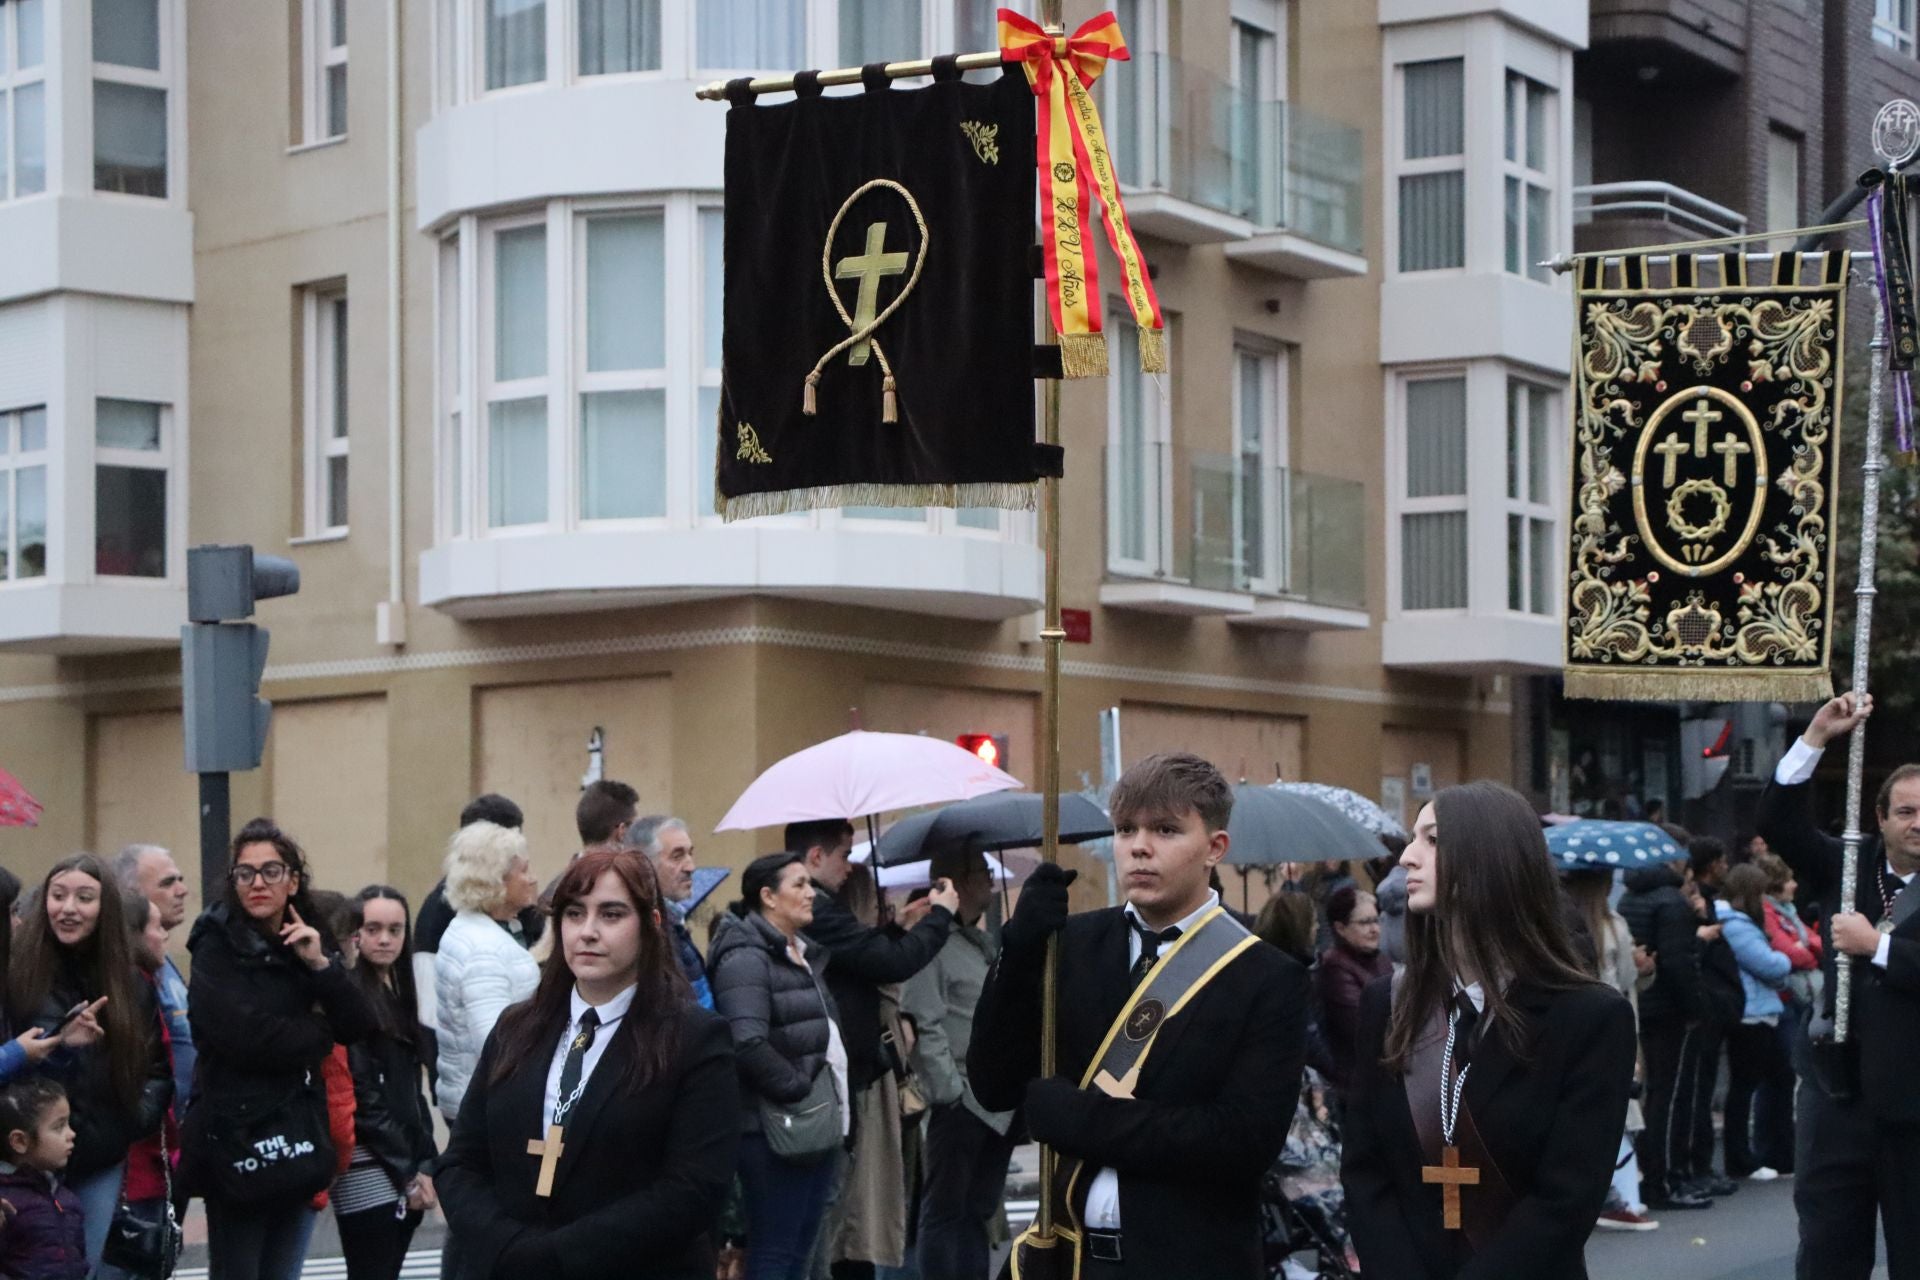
point(146, 1244)
point(253, 1147)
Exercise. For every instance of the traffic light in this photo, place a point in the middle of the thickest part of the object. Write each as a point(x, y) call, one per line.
point(222, 657)
point(990, 747)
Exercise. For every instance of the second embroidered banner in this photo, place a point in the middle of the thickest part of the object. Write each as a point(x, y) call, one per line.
point(1705, 472)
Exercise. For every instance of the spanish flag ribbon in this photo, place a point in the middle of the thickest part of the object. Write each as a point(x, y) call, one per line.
point(1073, 160)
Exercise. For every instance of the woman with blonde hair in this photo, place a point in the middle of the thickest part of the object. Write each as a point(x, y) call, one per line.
point(482, 966)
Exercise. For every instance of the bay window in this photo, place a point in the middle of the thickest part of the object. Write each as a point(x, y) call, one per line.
point(23, 493)
point(130, 488)
point(1433, 506)
point(23, 99)
point(1433, 165)
point(1527, 171)
point(130, 126)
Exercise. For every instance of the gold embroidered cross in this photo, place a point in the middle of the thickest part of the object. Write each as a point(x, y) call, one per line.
point(549, 1152)
point(1670, 449)
point(868, 268)
point(1703, 415)
point(1730, 450)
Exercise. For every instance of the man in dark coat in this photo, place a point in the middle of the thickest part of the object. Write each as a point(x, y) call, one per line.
point(1663, 922)
point(1164, 1168)
point(1857, 1127)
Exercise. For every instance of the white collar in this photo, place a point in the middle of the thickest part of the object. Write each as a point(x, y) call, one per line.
point(1906, 879)
point(1186, 924)
point(1475, 992)
point(611, 1010)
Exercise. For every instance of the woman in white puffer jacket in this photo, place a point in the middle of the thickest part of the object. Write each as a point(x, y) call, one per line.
point(482, 966)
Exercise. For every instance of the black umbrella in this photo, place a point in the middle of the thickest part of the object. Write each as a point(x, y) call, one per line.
point(1003, 820)
point(1270, 827)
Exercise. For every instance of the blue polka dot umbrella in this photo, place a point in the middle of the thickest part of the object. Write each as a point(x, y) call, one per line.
point(1590, 842)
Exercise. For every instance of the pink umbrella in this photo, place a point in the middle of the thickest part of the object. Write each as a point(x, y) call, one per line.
point(858, 774)
point(17, 808)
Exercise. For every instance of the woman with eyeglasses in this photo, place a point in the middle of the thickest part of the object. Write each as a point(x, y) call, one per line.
point(268, 1000)
point(1345, 969)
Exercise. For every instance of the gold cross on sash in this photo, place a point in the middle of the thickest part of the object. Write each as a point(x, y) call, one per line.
point(549, 1152)
point(1451, 1175)
point(868, 268)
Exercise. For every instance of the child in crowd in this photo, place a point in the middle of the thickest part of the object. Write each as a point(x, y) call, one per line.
point(42, 1236)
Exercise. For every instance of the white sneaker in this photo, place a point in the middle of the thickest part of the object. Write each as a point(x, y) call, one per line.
point(1763, 1174)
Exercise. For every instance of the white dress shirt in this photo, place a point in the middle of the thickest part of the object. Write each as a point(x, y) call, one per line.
point(1103, 1195)
point(610, 1014)
point(1796, 767)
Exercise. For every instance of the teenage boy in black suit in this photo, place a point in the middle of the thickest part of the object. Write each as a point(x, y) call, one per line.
point(1180, 1043)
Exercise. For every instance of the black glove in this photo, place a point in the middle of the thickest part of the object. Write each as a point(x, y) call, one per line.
point(1041, 912)
point(1055, 1109)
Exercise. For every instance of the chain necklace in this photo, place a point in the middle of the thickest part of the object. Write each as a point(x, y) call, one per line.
point(564, 1107)
point(1450, 1088)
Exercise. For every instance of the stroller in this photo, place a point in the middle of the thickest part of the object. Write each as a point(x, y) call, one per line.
point(1302, 1207)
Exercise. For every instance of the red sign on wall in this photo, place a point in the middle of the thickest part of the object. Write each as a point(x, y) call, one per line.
point(1078, 624)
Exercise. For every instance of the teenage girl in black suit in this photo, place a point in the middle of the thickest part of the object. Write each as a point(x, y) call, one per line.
point(638, 1080)
point(1492, 1079)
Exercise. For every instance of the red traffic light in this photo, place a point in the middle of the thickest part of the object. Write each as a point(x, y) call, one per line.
point(990, 747)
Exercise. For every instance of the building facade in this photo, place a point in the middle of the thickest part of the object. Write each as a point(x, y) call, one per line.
point(426, 297)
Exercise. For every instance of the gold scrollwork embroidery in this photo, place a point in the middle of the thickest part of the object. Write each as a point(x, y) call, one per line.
point(985, 139)
point(1777, 619)
point(750, 450)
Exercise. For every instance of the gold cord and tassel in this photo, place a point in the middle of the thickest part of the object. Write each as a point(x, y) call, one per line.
point(889, 399)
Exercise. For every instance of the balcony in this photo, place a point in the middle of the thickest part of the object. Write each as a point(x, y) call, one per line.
point(1684, 37)
point(1257, 545)
point(1304, 196)
point(1206, 164)
point(1621, 215)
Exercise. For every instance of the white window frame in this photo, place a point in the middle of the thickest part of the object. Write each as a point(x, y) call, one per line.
point(1780, 140)
point(160, 459)
point(1400, 506)
point(14, 77)
point(326, 362)
point(585, 383)
point(494, 391)
point(1514, 168)
point(705, 377)
point(455, 469)
point(1894, 25)
point(319, 55)
point(1527, 506)
point(1152, 122)
point(1273, 475)
point(1155, 461)
point(141, 77)
point(13, 460)
point(1400, 166)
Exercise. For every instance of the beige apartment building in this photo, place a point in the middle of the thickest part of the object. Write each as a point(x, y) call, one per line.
point(439, 321)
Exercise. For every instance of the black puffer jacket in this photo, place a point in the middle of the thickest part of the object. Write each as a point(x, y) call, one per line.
point(1663, 922)
point(866, 958)
point(778, 1011)
point(104, 1126)
point(390, 1116)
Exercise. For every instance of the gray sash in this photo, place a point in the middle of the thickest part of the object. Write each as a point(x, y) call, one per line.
point(1176, 977)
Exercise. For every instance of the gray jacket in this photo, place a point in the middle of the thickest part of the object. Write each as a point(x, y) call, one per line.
point(1391, 898)
point(778, 1011)
point(940, 999)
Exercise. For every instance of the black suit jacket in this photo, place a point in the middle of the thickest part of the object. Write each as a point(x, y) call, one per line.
point(642, 1176)
point(1886, 1002)
point(1552, 1124)
point(1211, 1110)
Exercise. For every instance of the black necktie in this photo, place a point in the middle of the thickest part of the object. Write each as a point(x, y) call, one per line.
point(576, 1062)
point(1468, 1021)
point(1150, 944)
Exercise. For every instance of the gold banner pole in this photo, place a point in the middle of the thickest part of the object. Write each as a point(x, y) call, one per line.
point(1051, 636)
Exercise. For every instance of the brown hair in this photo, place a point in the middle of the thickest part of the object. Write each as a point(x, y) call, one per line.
point(528, 1031)
point(104, 965)
point(1589, 888)
point(1745, 888)
point(1167, 786)
point(1497, 915)
point(1287, 922)
point(1776, 869)
point(1904, 772)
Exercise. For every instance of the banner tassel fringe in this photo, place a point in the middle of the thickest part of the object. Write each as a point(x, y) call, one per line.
point(1153, 351)
point(889, 403)
point(1003, 495)
point(1084, 355)
point(1699, 685)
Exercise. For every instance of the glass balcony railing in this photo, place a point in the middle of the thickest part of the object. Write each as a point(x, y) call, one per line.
point(1229, 522)
point(1179, 129)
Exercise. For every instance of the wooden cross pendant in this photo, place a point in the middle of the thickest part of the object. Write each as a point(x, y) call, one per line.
point(551, 1149)
point(1451, 1175)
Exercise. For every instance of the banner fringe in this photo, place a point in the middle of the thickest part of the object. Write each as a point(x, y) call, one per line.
point(1003, 495)
point(1153, 351)
point(1695, 684)
point(1084, 355)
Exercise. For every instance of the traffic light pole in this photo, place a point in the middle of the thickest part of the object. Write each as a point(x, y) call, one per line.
point(216, 824)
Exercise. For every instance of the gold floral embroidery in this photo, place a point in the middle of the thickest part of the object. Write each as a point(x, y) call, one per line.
point(750, 450)
point(985, 139)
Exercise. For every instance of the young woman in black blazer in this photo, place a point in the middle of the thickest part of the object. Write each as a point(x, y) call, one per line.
point(1490, 1090)
point(597, 1137)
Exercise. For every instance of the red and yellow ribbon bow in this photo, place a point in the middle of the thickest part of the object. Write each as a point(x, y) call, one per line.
point(1073, 160)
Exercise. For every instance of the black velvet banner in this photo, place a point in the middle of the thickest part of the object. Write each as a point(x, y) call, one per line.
point(879, 307)
point(1705, 475)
